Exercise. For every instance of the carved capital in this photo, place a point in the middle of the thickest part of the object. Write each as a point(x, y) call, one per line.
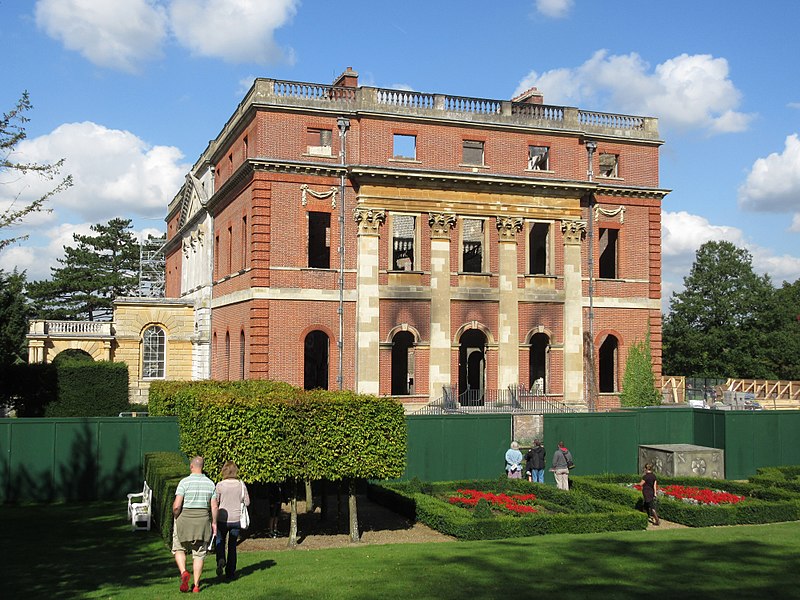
point(369, 220)
point(574, 231)
point(508, 227)
point(441, 224)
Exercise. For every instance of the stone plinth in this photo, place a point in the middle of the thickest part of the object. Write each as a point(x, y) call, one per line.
point(682, 460)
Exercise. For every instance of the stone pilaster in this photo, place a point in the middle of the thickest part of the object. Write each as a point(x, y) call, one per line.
point(439, 368)
point(508, 309)
point(367, 303)
point(574, 232)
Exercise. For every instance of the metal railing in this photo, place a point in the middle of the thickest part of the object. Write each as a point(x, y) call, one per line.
point(514, 399)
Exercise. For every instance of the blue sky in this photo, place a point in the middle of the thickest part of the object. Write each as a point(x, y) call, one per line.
point(131, 91)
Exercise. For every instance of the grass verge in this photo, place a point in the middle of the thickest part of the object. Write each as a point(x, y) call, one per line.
point(88, 551)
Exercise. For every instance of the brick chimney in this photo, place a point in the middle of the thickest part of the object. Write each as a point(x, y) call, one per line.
point(530, 96)
point(347, 79)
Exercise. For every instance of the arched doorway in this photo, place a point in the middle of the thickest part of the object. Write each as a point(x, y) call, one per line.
point(402, 364)
point(72, 354)
point(607, 365)
point(315, 366)
point(537, 365)
point(472, 367)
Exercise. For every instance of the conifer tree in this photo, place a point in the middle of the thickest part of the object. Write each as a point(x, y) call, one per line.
point(639, 384)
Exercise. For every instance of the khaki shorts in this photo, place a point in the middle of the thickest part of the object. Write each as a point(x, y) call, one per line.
point(198, 548)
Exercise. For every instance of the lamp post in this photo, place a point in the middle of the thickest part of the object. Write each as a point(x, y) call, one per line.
point(344, 125)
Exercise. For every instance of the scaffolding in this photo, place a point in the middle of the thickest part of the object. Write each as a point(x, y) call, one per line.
point(151, 268)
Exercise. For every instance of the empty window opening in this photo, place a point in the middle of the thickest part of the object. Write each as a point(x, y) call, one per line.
point(608, 253)
point(230, 249)
point(607, 365)
point(319, 240)
point(473, 152)
point(472, 367)
point(227, 356)
point(540, 347)
point(154, 346)
point(405, 146)
point(538, 241)
point(609, 165)
point(242, 355)
point(319, 141)
point(245, 254)
point(315, 361)
point(403, 234)
point(472, 260)
point(402, 364)
point(538, 158)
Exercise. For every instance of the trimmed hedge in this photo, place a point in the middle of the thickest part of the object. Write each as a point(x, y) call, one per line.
point(573, 512)
point(162, 472)
point(762, 504)
point(90, 389)
point(274, 431)
point(787, 478)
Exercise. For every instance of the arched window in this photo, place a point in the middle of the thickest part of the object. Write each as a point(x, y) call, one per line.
point(402, 364)
point(154, 352)
point(537, 366)
point(607, 368)
point(315, 366)
point(241, 355)
point(227, 356)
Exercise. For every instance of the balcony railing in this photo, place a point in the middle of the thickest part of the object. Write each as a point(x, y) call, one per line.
point(70, 328)
point(443, 106)
point(514, 399)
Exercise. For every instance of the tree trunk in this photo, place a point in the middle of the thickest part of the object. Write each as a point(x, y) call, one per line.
point(309, 497)
point(293, 520)
point(354, 535)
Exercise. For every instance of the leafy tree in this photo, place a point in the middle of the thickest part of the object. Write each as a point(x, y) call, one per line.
point(719, 325)
point(784, 338)
point(12, 132)
point(639, 383)
point(100, 268)
point(14, 313)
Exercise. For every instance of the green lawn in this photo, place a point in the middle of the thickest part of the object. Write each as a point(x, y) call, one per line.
point(88, 551)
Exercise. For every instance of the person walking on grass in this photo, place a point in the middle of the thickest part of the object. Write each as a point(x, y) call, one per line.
point(195, 513)
point(231, 494)
point(514, 461)
point(649, 485)
point(562, 459)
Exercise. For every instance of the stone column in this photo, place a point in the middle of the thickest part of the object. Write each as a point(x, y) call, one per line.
point(508, 309)
point(574, 232)
point(367, 301)
point(439, 367)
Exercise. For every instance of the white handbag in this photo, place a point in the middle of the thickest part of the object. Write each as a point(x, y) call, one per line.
point(244, 519)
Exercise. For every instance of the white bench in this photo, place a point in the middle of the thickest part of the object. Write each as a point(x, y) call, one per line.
point(139, 508)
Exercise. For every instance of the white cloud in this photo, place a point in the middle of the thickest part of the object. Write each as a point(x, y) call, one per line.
point(683, 233)
point(234, 30)
point(117, 34)
point(773, 184)
point(685, 92)
point(115, 174)
point(555, 9)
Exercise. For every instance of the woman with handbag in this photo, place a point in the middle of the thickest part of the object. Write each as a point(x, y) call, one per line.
point(562, 463)
point(232, 517)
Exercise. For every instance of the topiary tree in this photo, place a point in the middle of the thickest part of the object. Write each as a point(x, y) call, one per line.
point(639, 384)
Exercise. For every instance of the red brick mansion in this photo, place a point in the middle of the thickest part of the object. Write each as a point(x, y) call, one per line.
point(399, 243)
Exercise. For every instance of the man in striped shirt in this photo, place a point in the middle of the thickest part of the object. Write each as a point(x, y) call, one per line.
point(195, 512)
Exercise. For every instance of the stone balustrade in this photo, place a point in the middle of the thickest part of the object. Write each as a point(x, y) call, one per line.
point(70, 328)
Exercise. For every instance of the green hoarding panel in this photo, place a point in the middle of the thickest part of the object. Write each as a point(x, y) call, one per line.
point(31, 461)
point(75, 459)
point(120, 468)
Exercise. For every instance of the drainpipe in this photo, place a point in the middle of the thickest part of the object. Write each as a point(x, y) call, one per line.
point(590, 148)
point(344, 125)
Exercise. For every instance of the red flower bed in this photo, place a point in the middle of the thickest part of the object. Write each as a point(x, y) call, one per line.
point(513, 502)
point(697, 495)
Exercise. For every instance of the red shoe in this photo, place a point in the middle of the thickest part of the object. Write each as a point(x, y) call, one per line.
point(196, 589)
point(185, 581)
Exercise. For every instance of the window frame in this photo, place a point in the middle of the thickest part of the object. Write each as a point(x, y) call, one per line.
point(548, 248)
point(546, 154)
point(160, 351)
point(326, 241)
point(415, 244)
point(484, 267)
point(473, 145)
point(407, 137)
point(615, 171)
point(318, 134)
